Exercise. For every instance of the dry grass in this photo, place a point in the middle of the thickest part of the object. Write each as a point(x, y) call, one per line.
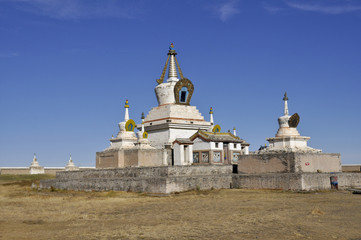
point(217, 214)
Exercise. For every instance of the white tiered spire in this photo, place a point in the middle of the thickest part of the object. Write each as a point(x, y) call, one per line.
point(142, 122)
point(172, 71)
point(234, 131)
point(211, 116)
point(285, 98)
point(126, 115)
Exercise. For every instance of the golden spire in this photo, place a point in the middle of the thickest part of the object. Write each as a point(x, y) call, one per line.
point(173, 66)
point(126, 104)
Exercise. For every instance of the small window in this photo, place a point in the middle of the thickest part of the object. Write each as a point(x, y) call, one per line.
point(235, 145)
point(216, 145)
point(183, 94)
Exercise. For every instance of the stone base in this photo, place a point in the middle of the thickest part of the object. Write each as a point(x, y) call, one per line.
point(289, 162)
point(119, 158)
point(145, 179)
point(71, 168)
point(36, 170)
point(295, 181)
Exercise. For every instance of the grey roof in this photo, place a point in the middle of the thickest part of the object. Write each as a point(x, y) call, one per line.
point(218, 137)
point(183, 141)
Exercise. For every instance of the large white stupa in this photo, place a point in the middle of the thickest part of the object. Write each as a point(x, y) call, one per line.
point(174, 117)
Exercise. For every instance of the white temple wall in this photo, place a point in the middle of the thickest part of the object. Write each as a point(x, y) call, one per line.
point(213, 146)
point(199, 144)
point(175, 133)
point(158, 138)
point(231, 146)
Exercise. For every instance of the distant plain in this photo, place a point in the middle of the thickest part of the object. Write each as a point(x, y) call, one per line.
point(215, 214)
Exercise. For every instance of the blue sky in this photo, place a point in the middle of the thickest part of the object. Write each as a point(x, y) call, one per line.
point(67, 66)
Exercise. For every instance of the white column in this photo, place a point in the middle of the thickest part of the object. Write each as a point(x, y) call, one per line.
point(181, 155)
point(190, 154)
point(165, 157)
point(246, 150)
point(234, 131)
point(126, 115)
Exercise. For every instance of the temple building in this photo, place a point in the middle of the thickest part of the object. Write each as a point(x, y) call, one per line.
point(172, 133)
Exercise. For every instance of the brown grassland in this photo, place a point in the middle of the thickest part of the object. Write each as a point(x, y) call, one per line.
point(214, 214)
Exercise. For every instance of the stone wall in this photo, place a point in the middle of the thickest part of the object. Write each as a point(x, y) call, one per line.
point(351, 168)
point(26, 170)
point(285, 162)
point(295, 181)
point(164, 179)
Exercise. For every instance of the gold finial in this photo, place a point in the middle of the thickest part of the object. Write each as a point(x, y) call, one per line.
point(234, 128)
point(179, 69)
point(142, 117)
point(211, 111)
point(126, 104)
point(161, 79)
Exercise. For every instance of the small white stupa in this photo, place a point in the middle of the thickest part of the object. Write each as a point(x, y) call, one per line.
point(126, 137)
point(71, 166)
point(143, 142)
point(287, 137)
point(35, 168)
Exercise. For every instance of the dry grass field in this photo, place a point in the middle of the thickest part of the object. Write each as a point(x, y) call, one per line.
point(217, 214)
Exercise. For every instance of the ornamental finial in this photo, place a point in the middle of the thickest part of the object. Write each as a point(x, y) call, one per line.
point(211, 111)
point(126, 104)
point(142, 117)
point(285, 98)
point(171, 47)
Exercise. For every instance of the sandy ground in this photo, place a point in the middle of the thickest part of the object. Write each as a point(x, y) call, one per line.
point(216, 214)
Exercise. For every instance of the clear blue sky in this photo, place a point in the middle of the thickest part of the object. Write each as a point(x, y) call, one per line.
point(67, 66)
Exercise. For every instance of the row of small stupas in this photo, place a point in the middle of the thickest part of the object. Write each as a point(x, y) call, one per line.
point(175, 133)
point(35, 167)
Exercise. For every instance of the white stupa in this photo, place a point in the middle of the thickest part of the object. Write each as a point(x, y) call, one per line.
point(143, 142)
point(71, 166)
point(174, 117)
point(35, 168)
point(287, 137)
point(126, 137)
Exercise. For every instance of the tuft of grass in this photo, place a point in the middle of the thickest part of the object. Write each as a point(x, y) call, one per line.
point(317, 211)
point(25, 177)
point(23, 180)
point(111, 194)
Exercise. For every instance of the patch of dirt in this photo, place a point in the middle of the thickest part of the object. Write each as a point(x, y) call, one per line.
point(214, 214)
